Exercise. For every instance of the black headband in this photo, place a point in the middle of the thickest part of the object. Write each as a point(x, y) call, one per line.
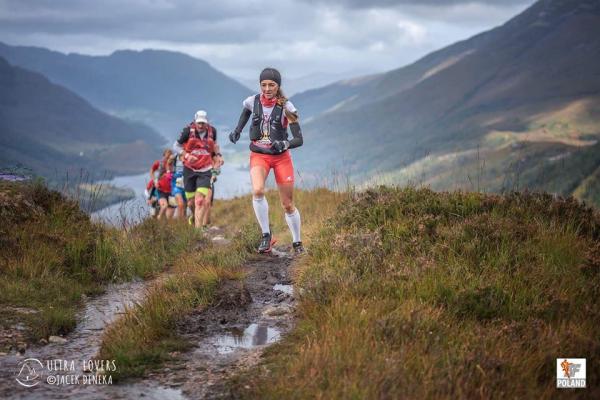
point(270, 74)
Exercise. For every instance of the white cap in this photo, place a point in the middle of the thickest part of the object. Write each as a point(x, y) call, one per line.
point(200, 116)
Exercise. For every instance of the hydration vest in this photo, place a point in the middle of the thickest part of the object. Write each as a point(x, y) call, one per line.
point(260, 130)
point(202, 149)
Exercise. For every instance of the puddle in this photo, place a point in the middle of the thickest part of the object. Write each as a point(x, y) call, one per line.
point(289, 289)
point(280, 254)
point(254, 335)
point(145, 391)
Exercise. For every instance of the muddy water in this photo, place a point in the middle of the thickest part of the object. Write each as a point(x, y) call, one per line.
point(289, 289)
point(68, 358)
point(254, 335)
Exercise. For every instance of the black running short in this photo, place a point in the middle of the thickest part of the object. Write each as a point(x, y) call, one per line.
point(193, 180)
point(163, 195)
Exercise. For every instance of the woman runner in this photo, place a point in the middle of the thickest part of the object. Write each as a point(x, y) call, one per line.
point(271, 113)
point(162, 172)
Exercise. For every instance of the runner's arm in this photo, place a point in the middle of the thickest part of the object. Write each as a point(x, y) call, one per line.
point(297, 139)
point(218, 157)
point(153, 168)
point(244, 117)
point(183, 137)
point(177, 147)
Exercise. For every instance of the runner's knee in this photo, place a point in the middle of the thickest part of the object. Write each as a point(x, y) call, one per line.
point(258, 193)
point(288, 206)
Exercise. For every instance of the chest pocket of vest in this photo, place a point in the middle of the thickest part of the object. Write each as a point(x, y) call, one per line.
point(274, 126)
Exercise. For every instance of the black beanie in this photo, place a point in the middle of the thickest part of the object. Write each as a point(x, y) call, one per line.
point(270, 74)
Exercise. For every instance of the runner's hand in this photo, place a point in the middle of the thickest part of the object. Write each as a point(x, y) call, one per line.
point(190, 157)
point(280, 145)
point(234, 137)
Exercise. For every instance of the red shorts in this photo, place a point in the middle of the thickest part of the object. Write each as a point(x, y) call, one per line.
point(281, 164)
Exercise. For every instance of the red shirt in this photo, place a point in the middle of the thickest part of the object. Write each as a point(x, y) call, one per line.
point(164, 182)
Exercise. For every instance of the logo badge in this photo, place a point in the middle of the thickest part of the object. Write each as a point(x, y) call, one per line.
point(28, 375)
point(570, 372)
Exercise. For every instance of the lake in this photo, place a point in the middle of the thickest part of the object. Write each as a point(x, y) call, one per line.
point(233, 181)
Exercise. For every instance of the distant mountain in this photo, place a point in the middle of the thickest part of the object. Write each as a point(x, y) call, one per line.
point(498, 110)
point(333, 96)
point(160, 88)
point(49, 129)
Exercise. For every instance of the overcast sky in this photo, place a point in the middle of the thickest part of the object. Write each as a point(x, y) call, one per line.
point(301, 37)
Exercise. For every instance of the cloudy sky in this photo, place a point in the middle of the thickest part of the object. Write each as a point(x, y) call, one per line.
point(321, 39)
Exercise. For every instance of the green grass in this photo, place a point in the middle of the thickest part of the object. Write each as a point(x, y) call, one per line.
point(405, 293)
point(52, 254)
point(416, 294)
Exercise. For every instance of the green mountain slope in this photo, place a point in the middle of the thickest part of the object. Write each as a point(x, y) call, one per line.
point(52, 131)
point(160, 88)
point(530, 88)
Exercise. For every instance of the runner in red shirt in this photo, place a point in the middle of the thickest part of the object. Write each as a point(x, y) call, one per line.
point(200, 155)
point(161, 174)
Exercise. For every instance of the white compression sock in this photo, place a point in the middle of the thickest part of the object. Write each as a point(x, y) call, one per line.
point(293, 221)
point(261, 209)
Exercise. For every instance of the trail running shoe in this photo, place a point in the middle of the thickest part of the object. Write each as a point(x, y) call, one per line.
point(298, 248)
point(265, 243)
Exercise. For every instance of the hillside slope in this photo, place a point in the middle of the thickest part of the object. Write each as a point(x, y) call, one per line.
point(160, 88)
point(54, 132)
point(531, 84)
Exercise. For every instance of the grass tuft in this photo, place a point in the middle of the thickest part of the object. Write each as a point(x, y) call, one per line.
point(414, 294)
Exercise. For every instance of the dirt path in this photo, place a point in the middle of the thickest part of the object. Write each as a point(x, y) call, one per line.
point(228, 337)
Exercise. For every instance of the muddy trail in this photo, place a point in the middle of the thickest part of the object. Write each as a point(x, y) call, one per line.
point(81, 344)
point(228, 337)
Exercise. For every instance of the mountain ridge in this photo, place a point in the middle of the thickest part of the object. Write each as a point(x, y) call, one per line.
point(56, 132)
point(505, 84)
point(158, 87)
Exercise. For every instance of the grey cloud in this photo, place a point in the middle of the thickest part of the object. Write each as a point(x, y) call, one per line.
point(393, 3)
point(222, 21)
point(242, 36)
point(219, 22)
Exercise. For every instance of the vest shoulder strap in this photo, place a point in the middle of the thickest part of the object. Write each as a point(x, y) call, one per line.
point(277, 114)
point(257, 109)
